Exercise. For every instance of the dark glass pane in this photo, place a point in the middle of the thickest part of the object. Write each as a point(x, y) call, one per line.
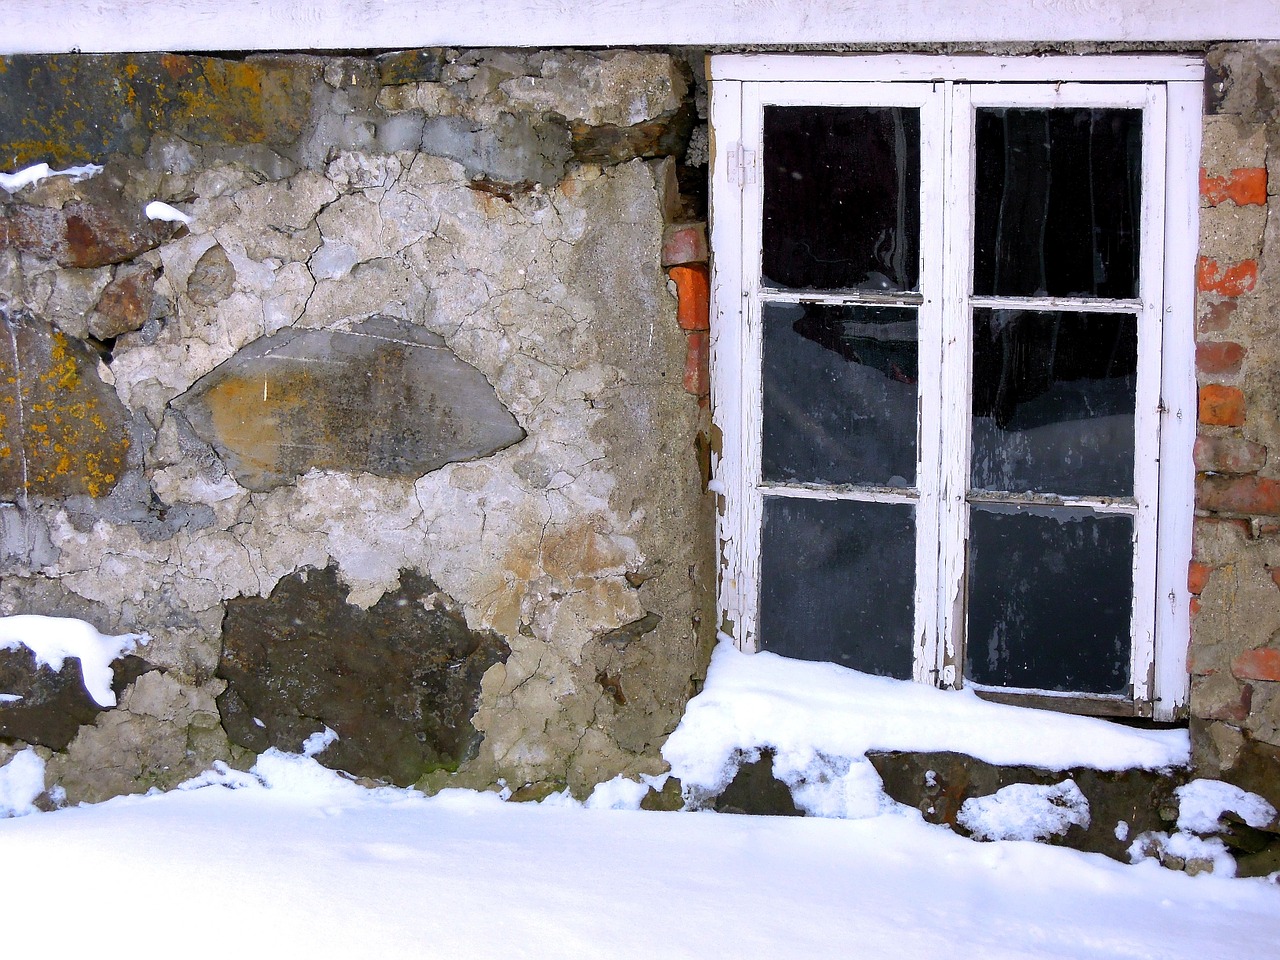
point(1053, 402)
point(838, 583)
point(839, 394)
point(841, 197)
point(1057, 202)
point(1050, 595)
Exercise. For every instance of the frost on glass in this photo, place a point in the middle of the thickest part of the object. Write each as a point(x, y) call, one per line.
point(1050, 599)
point(841, 198)
point(838, 583)
point(840, 394)
point(1057, 201)
point(1053, 402)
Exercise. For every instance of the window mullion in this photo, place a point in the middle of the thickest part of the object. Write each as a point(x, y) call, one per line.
point(954, 439)
point(926, 663)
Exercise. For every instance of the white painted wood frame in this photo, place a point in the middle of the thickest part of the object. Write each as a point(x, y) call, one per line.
point(1165, 422)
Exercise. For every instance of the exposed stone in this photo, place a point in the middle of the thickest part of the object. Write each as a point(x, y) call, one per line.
point(755, 790)
point(411, 66)
point(80, 234)
point(386, 398)
point(125, 304)
point(62, 430)
point(399, 683)
point(669, 798)
point(937, 784)
point(630, 632)
point(512, 150)
point(664, 136)
point(77, 108)
point(212, 278)
point(53, 704)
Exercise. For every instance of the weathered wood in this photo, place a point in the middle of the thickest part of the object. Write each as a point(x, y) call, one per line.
point(50, 26)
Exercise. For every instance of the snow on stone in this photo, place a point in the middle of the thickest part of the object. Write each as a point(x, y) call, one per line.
point(13, 182)
point(617, 794)
point(158, 210)
point(318, 742)
point(820, 718)
point(1201, 804)
point(21, 781)
point(1026, 811)
point(53, 639)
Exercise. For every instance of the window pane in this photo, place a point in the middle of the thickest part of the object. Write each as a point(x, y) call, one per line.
point(841, 197)
point(1050, 596)
point(1057, 202)
point(838, 583)
point(840, 394)
point(1053, 402)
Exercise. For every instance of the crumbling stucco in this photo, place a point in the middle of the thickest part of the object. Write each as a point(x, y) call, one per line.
point(539, 271)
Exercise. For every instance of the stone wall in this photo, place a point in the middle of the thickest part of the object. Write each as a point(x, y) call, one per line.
point(398, 434)
point(1235, 572)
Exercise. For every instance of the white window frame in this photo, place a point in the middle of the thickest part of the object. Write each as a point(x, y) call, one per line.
point(947, 89)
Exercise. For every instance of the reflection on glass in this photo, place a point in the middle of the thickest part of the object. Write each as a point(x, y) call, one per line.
point(841, 197)
point(840, 394)
point(1050, 597)
point(1053, 402)
point(1057, 202)
point(838, 583)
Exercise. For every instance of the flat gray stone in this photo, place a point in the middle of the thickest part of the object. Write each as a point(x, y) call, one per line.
point(386, 398)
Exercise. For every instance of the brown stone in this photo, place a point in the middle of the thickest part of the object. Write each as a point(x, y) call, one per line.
point(399, 682)
point(63, 432)
point(664, 136)
point(125, 304)
point(81, 234)
point(1216, 317)
point(53, 704)
point(212, 278)
point(386, 398)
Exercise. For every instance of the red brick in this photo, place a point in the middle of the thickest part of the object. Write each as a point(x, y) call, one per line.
point(693, 289)
point(1221, 406)
point(1228, 455)
point(1219, 357)
point(684, 243)
point(1198, 576)
point(1216, 316)
point(1241, 186)
point(1235, 279)
point(1232, 711)
point(1195, 606)
point(697, 378)
point(1257, 665)
point(1275, 575)
point(1252, 495)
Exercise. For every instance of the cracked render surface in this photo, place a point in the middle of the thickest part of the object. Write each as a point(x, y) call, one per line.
point(579, 545)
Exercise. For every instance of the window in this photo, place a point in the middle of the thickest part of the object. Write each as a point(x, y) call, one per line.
point(952, 369)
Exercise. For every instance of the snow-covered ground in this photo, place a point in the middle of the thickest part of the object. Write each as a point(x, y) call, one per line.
point(294, 860)
point(299, 863)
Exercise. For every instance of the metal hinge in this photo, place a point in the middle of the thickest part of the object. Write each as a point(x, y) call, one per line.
point(742, 165)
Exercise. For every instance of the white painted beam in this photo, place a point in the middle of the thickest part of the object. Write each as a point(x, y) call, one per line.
point(51, 26)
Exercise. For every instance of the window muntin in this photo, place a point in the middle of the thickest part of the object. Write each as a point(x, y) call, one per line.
point(1109, 392)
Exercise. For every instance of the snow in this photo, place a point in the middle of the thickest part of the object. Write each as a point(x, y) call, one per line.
point(820, 719)
point(13, 182)
point(1201, 804)
point(1026, 811)
point(316, 743)
point(294, 860)
point(21, 781)
point(53, 639)
point(158, 210)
